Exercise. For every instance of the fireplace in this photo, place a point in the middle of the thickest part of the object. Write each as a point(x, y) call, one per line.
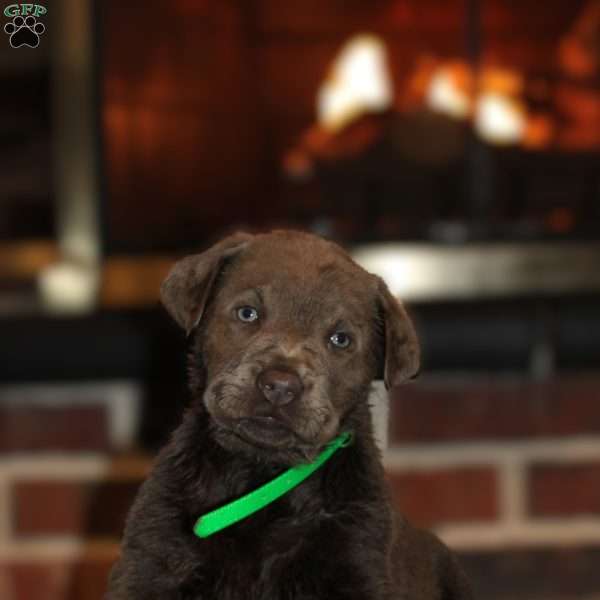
point(486, 127)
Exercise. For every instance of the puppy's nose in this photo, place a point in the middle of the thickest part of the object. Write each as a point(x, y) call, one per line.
point(279, 387)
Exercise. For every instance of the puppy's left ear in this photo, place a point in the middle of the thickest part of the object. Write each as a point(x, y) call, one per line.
point(187, 288)
point(402, 354)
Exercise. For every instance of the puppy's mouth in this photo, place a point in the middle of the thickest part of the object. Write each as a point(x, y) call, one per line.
point(261, 431)
point(268, 432)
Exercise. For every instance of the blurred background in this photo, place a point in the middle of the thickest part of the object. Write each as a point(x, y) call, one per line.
point(452, 146)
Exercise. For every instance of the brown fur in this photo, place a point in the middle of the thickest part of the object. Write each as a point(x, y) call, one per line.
point(336, 535)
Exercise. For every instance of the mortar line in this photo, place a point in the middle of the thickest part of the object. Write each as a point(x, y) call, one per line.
point(560, 450)
point(512, 491)
point(5, 506)
point(542, 533)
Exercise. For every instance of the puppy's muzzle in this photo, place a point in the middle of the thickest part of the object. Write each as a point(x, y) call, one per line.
point(279, 387)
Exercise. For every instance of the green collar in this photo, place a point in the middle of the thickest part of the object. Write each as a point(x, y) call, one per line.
point(247, 505)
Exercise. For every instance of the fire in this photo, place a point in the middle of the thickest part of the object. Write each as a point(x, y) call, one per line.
point(500, 105)
point(358, 82)
point(449, 91)
point(499, 119)
point(489, 99)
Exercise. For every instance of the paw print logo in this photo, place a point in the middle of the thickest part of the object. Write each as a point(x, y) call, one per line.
point(24, 31)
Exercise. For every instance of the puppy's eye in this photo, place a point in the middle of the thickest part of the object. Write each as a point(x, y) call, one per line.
point(340, 339)
point(247, 314)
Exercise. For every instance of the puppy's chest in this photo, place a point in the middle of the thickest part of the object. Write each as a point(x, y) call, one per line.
point(277, 564)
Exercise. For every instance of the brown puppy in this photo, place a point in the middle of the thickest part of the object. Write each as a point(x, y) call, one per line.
point(288, 334)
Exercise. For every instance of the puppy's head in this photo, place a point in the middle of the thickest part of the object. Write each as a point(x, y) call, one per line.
point(292, 332)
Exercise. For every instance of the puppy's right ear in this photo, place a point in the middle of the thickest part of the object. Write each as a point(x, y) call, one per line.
point(186, 289)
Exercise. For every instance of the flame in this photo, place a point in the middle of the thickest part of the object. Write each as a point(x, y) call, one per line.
point(449, 91)
point(358, 82)
point(499, 119)
point(490, 99)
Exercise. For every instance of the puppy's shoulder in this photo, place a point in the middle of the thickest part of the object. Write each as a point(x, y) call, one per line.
point(430, 570)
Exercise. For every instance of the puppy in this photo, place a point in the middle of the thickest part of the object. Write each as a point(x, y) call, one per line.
point(287, 335)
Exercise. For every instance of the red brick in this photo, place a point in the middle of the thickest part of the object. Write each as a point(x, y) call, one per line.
point(560, 490)
point(495, 408)
point(71, 428)
point(72, 508)
point(534, 574)
point(85, 579)
point(88, 580)
point(428, 498)
point(33, 581)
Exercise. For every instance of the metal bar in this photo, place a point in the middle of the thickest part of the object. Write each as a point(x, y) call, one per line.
point(425, 272)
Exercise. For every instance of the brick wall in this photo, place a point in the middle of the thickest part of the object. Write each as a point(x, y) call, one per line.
point(66, 484)
point(507, 471)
